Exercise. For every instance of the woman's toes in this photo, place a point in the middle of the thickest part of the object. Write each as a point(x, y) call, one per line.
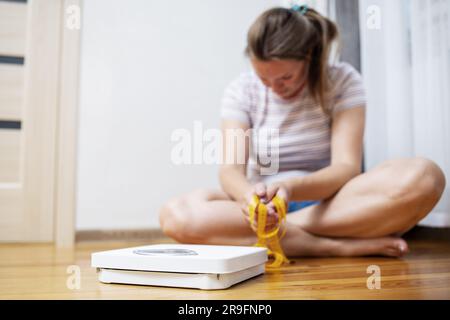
point(403, 246)
point(395, 247)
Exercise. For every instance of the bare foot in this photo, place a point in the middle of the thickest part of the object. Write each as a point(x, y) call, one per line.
point(388, 246)
point(298, 242)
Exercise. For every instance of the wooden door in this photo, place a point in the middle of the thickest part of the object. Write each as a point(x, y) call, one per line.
point(30, 33)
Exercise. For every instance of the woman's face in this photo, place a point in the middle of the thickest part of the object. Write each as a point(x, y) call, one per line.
point(285, 77)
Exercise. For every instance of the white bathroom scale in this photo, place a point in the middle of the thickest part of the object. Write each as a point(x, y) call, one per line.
point(180, 265)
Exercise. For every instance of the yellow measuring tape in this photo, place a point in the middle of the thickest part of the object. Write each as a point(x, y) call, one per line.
point(269, 239)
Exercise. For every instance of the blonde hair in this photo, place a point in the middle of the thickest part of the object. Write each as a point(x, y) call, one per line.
point(281, 33)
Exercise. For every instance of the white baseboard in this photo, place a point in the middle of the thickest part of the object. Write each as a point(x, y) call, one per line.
point(120, 235)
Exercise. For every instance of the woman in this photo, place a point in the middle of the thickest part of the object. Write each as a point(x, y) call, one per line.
point(318, 109)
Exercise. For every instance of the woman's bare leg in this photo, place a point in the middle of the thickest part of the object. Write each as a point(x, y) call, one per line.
point(210, 217)
point(388, 200)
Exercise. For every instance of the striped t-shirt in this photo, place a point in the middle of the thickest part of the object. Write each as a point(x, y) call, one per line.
point(304, 130)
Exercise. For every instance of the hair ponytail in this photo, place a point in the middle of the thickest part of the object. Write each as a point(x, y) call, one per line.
point(318, 77)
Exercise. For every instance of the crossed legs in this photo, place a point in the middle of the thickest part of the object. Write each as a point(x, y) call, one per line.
point(365, 217)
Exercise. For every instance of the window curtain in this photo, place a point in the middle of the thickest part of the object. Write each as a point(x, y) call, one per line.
point(405, 51)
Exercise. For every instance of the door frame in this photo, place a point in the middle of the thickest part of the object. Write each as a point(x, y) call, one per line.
point(67, 133)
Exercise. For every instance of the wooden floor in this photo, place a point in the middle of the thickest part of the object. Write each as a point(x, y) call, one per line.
point(40, 272)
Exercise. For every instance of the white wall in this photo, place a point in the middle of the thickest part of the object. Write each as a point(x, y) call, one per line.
point(148, 68)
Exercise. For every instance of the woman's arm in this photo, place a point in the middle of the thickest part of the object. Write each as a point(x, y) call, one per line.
point(347, 133)
point(232, 174)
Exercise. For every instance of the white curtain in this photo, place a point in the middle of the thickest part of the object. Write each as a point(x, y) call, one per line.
point(406, 67)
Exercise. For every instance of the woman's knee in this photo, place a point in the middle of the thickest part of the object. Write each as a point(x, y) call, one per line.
point(417, 180)
point(180, 217)
point(172, 219)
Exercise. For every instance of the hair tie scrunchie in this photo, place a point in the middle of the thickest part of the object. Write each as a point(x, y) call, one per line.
point(303, 9)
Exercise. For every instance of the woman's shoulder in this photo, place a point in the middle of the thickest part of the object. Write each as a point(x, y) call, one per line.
point(347, 87)
point(343, 71)
point(343, 75)
point(239, 98)
point(246, 81)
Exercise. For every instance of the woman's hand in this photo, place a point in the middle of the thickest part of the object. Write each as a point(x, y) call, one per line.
point(266, 194)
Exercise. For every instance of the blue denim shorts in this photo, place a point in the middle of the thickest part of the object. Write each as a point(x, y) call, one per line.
point(297, 205)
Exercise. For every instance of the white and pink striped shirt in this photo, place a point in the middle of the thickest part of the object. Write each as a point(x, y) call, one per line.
point(304, 129)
